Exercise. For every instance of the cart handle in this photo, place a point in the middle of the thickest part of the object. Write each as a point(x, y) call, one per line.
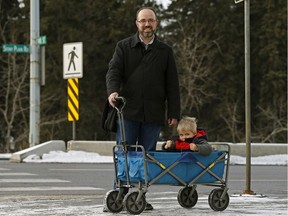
point(119, 107)
point(120, 98)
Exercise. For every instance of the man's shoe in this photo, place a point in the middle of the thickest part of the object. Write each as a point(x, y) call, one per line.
point(148, 207)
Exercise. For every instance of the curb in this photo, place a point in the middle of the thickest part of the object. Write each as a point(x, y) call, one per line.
point(104, 148)
point(40, 149)
point(257, 149)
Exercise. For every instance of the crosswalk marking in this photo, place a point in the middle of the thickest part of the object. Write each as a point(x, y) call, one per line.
point(259, 180)
point(11, 189)
point(17, 174)
point(32, 181)
point(82, 170)
point(19, 177)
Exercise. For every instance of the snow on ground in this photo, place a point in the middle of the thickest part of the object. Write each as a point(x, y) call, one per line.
point(163, 205)
point(166, 204)
point(87, 157)
point(68, 157)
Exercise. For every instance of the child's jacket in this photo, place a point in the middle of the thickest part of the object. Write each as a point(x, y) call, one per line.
point(200, 139)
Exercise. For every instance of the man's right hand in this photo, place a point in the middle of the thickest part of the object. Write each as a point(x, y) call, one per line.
point(172, 122)
point(112, 99)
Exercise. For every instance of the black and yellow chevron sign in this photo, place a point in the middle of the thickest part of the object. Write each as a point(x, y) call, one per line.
point(73, 102)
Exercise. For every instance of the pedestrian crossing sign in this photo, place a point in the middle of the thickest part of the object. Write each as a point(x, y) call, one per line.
point(73, 60)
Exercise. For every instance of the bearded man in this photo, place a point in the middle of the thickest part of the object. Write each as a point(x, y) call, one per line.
point(143, 71)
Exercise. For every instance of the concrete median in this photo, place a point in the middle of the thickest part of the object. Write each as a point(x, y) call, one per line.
point(105, 148)
point(52, 145)
point(257, 149)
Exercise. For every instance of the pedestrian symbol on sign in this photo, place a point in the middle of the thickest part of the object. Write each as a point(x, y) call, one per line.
point(72, 60)
point(71, 56)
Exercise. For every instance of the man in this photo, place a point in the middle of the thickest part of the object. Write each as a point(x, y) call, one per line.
point(143, 71)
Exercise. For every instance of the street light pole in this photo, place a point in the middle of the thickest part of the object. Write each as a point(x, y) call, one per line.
point(247, 97)
point(34, 74)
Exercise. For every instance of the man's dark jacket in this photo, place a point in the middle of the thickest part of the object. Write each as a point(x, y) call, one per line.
point(148, 80)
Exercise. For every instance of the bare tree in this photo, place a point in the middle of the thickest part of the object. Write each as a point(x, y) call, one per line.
point(231, 117)
point(194, 54)
point(275, 123)
point(14, 88)
point(14, 91)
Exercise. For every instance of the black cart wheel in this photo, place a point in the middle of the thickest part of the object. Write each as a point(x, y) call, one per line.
point(215, 201)
point(186, 199)
point(131, 205)
point(112, 203)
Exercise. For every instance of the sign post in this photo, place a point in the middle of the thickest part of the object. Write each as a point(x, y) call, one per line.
point(72, 70)
point(42, 41)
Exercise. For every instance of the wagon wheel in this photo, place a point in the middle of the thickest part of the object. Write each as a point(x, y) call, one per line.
point(111, 202)
point(215, 201)
point(131, 204)
point(186, 199)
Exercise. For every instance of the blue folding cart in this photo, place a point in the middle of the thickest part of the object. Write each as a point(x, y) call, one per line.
point(137, 169)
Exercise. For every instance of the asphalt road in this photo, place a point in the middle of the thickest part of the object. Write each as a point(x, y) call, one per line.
point(79, 185)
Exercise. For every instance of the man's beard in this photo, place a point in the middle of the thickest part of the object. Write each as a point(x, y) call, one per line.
point(148, 34)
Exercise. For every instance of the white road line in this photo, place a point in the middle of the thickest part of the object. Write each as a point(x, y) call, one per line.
point(32, 181)
point(82, 170)
point(16, 174)
point(4, 169)
point(258, 180)
point(7, 189)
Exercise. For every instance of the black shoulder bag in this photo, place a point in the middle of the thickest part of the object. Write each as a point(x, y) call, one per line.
point(109, 118)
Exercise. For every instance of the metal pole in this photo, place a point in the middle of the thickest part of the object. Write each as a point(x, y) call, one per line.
point(74, 130)
point(247, 97)
point(34, 74)
point(42, 71)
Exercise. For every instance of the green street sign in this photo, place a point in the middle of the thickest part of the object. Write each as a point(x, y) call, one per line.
point(15, 48)
point(42, 40)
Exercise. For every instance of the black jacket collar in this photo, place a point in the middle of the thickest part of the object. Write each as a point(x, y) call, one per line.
point(136, 40)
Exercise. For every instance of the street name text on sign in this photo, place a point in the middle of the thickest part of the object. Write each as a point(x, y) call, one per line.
point(73, 60)
point(15, 48)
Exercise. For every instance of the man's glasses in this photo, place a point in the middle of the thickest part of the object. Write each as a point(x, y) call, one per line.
point(144, 21)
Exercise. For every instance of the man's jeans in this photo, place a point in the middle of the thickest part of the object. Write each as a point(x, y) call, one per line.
point(146, 134)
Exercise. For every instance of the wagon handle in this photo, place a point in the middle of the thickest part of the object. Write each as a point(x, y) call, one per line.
point(122, 104)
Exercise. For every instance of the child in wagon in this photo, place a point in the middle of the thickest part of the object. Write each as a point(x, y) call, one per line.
point(189, 138)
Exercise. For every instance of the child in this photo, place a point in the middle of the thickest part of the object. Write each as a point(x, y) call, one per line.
point(189, 138)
